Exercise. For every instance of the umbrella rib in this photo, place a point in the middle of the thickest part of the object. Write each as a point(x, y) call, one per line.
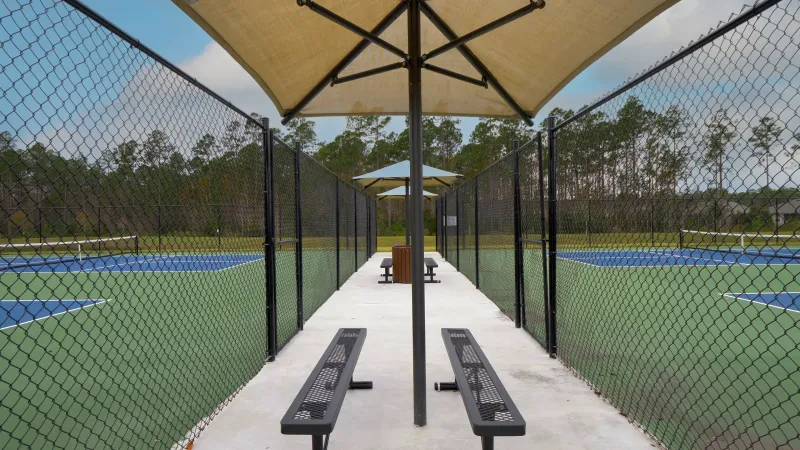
point(449, 73)
point(368, 73)
point(508, 18)
point(476, 63)
point(341, 21)
point(370, 185)
point(349, 58)
point(440, 181)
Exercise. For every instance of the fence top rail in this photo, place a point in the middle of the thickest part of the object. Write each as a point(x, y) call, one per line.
point(92, 14)
point(720, 31)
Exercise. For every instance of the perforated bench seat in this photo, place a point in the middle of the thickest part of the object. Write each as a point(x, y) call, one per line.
point(489, 407)
point(316, 407)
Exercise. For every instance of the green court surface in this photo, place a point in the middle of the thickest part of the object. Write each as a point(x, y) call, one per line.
point(717, 370)
point(144, 368)
point(666, 339)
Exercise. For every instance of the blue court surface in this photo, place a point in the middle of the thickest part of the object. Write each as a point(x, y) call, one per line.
point(685, 257)
point(789, 301)
point(18, 312)
point(129, 263)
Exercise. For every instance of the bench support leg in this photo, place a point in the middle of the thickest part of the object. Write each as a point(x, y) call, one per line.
point(360, 384)
point(316, 442)
point(385, 276)
point(445, 386)
point(487, 442)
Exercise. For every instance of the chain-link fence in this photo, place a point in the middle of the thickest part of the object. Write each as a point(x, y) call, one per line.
point(673, 254)
point(495, 234)
point(678, 255)
point(137, 294)
point(532, 244)
point(467, 228)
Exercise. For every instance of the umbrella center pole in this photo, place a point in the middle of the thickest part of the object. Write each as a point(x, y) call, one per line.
point(417, 237)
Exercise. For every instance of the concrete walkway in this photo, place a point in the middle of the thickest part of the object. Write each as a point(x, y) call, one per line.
point(561, 411)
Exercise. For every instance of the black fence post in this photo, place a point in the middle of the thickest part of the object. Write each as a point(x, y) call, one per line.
point(444, 227)
point(553, 234)
point(338, 262)
point(458, 234)
point(518, 280)
point(543, 234)
point(298, 223)
point(477, 240)
point(355, 229)
point(269, 245)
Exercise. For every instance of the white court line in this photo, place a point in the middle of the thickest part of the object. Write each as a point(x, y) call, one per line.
point(101, 269)
point(727, 263)
point(734, 295)
point(104, 266)
point(237, 265)
point(98, 301)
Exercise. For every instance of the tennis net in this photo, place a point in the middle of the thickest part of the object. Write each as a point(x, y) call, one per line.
point(28, 254)
point(754, 244)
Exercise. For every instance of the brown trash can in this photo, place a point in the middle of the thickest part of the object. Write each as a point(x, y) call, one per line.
point(401, 264)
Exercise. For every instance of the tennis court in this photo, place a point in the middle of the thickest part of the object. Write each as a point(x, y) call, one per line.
point(678, 257)
point(788, 301)
point(130, 263)
point(20, 312)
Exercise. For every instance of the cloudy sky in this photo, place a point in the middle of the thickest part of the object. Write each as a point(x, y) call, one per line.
point(163, 27)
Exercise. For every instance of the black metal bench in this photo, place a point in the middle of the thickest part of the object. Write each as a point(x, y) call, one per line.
point(489, 407)
point(316, 407)
point(430, 264)
point(386, 265)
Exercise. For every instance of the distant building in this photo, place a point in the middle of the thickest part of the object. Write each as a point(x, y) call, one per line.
point(786, 211)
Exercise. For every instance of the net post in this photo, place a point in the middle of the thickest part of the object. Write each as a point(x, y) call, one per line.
point(136, 245)
point(553, 234)
point(477, 240)
point(680, 240)
point(518, 281)
point(338, 246)
point(39, 222)
point(158, 225)
point(219, 227)
point(298, 223)
point(269, 247)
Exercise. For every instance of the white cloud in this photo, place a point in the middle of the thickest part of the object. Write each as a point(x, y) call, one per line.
point(215, 68)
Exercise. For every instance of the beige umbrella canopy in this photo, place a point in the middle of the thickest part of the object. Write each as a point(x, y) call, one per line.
point(290, 50)
point(499, 58)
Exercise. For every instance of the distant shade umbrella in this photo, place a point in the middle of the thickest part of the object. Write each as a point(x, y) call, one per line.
point(400, 192)
point(399, 175)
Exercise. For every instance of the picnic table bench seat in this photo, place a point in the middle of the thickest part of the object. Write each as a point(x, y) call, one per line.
point(386, 265)
point(315, 409)
point(490, 410)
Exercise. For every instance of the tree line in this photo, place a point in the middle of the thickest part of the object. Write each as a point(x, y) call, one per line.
point(636, 153)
